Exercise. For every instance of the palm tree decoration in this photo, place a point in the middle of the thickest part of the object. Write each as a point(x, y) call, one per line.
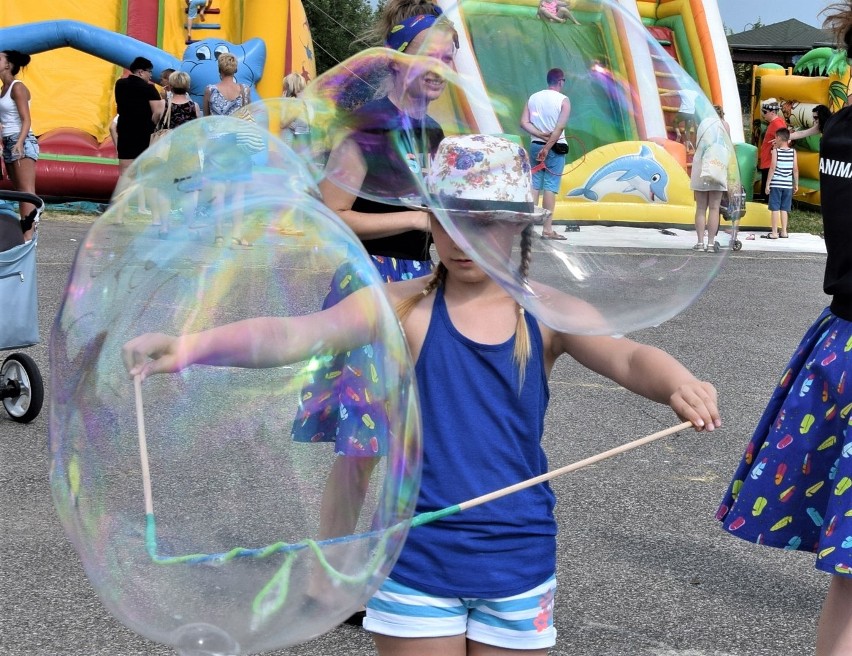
point(827, 61)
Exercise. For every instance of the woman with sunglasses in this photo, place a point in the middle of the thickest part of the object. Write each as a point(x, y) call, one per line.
point(820, 115)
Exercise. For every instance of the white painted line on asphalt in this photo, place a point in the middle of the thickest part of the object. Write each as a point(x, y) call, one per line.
point(629, 237)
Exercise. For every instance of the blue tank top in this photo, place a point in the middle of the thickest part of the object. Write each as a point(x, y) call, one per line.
point(479, 435)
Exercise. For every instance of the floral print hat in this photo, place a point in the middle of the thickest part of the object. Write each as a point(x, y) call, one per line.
point(482, 176)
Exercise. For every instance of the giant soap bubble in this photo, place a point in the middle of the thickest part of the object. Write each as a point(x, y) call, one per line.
point(200, 521)
point(640, 133)
point(639, 130)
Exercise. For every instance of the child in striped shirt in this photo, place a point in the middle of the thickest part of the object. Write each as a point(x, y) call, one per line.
point(782, 182)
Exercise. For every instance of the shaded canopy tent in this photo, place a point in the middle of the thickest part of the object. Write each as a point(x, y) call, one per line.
point(780, 43)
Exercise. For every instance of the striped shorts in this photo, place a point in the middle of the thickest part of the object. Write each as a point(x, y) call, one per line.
point(523, 621)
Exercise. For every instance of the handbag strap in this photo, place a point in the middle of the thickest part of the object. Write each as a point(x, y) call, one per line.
point(165, 122)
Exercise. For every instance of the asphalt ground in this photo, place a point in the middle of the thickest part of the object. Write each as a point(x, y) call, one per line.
point(643, 567)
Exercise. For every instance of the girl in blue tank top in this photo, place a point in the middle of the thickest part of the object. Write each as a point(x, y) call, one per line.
point(486, 575)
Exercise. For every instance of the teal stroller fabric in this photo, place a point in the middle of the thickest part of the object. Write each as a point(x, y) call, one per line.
point(18, 297)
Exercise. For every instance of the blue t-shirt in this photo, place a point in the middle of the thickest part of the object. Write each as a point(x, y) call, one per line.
point(480, 435)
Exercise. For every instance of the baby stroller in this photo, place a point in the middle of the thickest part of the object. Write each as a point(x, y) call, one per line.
point(21, 385)
point(732, 209)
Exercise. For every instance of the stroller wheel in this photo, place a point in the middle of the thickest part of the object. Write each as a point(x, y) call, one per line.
point(21, 387)
point(737, 245)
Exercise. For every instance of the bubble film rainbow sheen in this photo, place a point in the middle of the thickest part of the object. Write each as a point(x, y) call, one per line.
point(626, 165)
point(347, 128)
point(225, 561)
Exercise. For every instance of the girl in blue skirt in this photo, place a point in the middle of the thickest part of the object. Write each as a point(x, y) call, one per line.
point(793, 488)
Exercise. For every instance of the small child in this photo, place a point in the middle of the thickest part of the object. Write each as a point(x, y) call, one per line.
point(496, 581)
point(195, 9)
point(294, 124)
point(782, 182)
point(165, 87)
point(556, 11)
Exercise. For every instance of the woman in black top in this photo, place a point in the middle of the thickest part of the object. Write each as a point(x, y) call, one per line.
point(390, 136)
point(389, 141)
point(793, 488)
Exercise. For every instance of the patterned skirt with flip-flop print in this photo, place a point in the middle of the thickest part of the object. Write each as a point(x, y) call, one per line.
point(344, 401)
point(793, 488)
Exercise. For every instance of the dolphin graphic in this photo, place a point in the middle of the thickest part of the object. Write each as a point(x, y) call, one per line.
point(639, 174)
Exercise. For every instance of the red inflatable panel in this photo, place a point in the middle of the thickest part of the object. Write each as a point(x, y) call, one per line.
point(142, 19)
point(75, 180)
point(67, 179)
point(665, 37)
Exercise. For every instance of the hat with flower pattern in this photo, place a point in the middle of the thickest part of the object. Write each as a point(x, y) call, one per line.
point(479, 175)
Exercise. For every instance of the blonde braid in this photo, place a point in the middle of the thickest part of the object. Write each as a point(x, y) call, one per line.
point(404, 307)
point(523, 346)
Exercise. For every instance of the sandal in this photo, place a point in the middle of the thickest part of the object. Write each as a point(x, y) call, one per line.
point(219, 241)
point(236, 242)
point(554, 236)
point(699, 246)
point(784, 235)
point(769, 235)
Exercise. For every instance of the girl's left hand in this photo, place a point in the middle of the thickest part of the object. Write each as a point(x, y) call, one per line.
point(696, 402)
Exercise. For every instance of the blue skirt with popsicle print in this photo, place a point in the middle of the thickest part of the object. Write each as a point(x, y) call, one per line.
point(344, 402)
point(793, 488)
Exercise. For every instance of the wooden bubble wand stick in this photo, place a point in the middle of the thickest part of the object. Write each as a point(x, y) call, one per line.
point(417, 520)
point(425, 518)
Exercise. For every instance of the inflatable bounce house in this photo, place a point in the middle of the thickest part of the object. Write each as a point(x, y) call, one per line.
point(621, 127)
point(634, 137)
point(80, 48)
point(827, 82)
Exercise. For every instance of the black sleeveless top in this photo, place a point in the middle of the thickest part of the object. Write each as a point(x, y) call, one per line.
point(392, 143)
point(181, 113)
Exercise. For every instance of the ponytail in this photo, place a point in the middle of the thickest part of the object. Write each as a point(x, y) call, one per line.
point(523, 345)
point(17, 59)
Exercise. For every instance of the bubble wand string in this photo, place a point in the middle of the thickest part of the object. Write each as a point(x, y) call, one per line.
point(273, 595)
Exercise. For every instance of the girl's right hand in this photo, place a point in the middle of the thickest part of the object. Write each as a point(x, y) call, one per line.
point(153, 353)
point(696, 401)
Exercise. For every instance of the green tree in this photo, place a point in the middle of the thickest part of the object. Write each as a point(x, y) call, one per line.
point(336, 27)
